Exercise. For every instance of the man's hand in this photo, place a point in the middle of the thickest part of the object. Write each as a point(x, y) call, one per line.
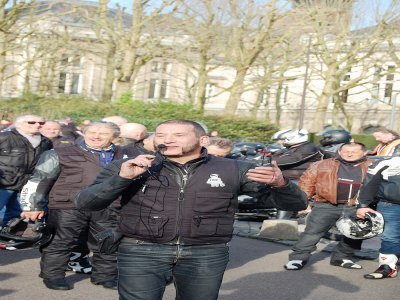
point(135, 167)
point(267, 175)
point(362, 211)
point(33, 215)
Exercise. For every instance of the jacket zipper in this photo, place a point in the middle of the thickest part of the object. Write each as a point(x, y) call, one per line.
point(181, 197)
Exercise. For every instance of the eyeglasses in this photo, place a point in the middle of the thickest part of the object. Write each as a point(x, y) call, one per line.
point(34, 122)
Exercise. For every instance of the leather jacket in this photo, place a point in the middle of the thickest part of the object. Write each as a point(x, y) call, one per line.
point(18, 158)
point(319, 181)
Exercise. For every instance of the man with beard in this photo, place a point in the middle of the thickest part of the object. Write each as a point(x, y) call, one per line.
point(178, 211)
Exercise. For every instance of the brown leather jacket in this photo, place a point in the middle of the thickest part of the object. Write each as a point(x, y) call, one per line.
point(319, 181)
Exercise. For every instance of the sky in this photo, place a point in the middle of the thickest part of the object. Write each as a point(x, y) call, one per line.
point(364, 10)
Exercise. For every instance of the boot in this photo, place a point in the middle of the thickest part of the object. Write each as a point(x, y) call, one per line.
point(387, 267)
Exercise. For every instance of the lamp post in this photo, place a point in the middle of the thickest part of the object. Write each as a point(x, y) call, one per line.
point(303, 96)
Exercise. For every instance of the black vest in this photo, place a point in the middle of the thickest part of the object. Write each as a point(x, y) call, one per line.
point(78, 169)
point(162, 207)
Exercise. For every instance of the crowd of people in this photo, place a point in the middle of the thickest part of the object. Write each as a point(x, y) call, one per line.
point(154, 208)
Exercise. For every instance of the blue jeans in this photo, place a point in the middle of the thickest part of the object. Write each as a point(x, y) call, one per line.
point(146, 268)
point(9, 199)
point(390, 238)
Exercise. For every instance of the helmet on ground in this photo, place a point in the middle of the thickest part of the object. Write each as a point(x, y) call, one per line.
point(334, 136)
point(358, 229)
point(20, 234)
point(294, 137)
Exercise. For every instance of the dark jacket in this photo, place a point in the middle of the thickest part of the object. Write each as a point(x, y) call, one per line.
point(194, 203)
point(61, 173)
point(382, 182)
point(295, 160)
point(18, 158)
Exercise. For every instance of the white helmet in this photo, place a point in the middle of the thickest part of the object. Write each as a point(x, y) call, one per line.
point(280, 135)
point(294, 137)
point(359, 229)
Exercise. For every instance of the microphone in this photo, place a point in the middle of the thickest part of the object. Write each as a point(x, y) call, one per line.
point(160, 147)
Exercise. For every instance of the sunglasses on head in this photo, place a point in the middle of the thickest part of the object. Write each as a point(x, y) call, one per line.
point(34, 122)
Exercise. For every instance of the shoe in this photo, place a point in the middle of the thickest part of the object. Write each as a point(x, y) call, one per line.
point(295, 265)
point(111, 284)
point(56, 284)
point(384, 271)
point(345, 263)
point(79, 264)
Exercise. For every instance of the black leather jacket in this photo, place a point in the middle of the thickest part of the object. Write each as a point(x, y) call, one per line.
point(18, 158)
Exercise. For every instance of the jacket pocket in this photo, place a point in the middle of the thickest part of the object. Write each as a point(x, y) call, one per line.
point(212, 202)
point(209, 225)
point(146, 226)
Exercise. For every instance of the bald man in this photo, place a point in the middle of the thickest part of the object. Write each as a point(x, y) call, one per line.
point(132, 132)
point(117, 120)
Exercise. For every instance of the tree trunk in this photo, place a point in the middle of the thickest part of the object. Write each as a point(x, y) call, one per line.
point(107, 93)
point(278, 103)
point(201, 89)
point(323, 99)
point(236, 92)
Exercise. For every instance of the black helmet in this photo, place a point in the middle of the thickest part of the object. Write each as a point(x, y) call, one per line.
point(20, 234)
point(357, 229)
point(334, 136)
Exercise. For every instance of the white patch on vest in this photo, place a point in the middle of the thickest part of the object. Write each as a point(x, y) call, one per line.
point(215, 181)
point(125, 156)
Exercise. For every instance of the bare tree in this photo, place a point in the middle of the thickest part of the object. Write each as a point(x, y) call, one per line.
point(251, 31)
point(201, 24)
point(336, 50)
point(9, 14)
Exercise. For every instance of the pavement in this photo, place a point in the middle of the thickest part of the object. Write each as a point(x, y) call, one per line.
point(255, 271)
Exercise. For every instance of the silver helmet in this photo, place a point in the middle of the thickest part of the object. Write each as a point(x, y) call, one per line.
point(359, 229)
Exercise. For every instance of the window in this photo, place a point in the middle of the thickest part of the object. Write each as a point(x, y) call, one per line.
point(70, 81)
point(375, 86)
point(154, 85)
point(62, 82)
point(75, 83)
point(164, 90)
point(283, 95)
point(210, 90)
point(387, 97)
point(76, 61)
point(155, 66)
point(167, 68)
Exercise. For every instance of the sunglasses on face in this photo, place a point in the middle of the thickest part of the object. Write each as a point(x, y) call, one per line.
point(34, 122)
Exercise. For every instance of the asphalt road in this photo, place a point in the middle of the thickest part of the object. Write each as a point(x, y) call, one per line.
point(255, 272)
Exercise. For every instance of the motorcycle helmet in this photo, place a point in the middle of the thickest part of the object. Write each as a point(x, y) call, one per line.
point(359, 229)
point(280, 135)
point(334, 136)
point(295, 137)
point(20, 233)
